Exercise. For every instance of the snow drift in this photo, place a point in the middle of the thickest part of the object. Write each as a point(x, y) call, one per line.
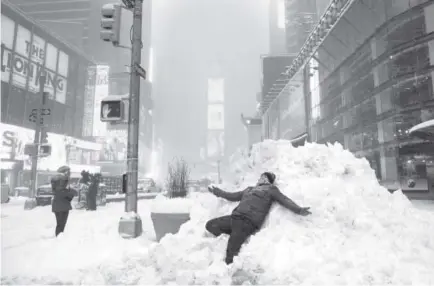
point(359, 233)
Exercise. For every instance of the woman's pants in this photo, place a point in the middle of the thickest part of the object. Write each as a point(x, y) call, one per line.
point(61, 219)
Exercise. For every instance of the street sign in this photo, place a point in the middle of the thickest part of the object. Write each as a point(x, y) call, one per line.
point(141, 71)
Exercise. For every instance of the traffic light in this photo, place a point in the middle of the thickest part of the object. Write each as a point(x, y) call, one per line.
point(44, 136)
point(111, 23)
point(112, 110)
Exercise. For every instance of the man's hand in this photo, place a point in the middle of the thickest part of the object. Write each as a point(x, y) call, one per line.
point(304, 211)
point(212, 189)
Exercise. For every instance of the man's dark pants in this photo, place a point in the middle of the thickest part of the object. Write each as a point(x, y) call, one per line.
point(238, 228)
point(61, 219)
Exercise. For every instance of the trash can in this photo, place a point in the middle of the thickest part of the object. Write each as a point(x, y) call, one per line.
point(165, 223)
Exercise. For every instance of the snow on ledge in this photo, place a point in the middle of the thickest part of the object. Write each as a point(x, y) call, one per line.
point(130, 216)
point(162, 204)
point(422, 126)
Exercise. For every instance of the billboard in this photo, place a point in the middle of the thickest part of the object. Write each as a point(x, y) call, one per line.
point(101, 91)
point(88, 110)
point(216, 117)
point(23, 64)
point(215, 144)
point(216, 92)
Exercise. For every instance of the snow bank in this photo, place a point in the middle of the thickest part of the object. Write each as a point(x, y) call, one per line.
point(358, 234)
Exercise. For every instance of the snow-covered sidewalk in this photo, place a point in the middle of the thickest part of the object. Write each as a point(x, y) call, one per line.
point(32, 255)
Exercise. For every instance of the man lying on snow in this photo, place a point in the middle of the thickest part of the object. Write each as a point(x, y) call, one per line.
point(248, 217)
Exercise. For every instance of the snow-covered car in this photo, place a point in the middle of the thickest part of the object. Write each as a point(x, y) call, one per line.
point(21, 192)
point(147, 185)
point(44, 195)
point(5, 189)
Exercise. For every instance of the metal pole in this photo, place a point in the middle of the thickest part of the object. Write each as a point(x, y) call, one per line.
point(130, 226)
point(30, 203)
point(218, 170)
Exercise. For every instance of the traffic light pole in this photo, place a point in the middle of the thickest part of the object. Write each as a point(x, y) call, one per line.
point(30, 203)
point(130, 225)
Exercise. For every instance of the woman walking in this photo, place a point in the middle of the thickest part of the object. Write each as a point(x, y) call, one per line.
point(62, 197)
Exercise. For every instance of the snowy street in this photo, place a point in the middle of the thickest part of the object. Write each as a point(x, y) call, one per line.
point(353, 216)
point(32, 255)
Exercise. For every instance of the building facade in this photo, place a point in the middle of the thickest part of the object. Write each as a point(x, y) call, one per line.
point(300, 18)
point(60, 16)
point(370, 81)
point(28, 51)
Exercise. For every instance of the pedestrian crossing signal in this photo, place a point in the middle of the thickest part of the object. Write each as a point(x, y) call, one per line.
point(124, 183)
point(45, 150)
point(112, 110)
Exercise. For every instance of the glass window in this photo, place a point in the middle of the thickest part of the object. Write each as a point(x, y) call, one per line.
point(409, 61)
point(51, 54)
point(362, 90)
point(38, 50)
point(412, 91)
point(406, 30)
point(23, 41)
point(8, 30)
point(63, 64)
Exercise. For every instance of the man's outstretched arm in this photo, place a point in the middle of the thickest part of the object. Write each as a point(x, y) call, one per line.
point(289, 204)
point(233, 197)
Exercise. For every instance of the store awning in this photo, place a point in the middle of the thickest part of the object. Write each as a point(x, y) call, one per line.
point(424, 130)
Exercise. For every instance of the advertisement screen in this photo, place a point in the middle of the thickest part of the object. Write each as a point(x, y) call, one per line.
point(215, 143)
point(101, 91)
point(216, 90)
point(89, 91)
point(216, 117)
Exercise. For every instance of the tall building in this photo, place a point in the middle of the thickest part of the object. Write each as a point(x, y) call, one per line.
point(29, 50)
point(370, 81)
point(276, 20)
point(300, 17)
point(194, 42)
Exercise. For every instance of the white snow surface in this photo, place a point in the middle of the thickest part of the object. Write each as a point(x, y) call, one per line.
point(358, 234)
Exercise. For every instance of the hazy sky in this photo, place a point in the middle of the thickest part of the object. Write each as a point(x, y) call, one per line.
point(192, 41)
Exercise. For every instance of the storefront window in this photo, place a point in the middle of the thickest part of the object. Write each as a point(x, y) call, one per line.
point(407, 120)
point(414, 91)
point(364, 138)
point(362, 90)
point(407, 30)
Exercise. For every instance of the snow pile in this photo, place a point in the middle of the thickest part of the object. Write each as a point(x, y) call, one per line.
point(358, 233)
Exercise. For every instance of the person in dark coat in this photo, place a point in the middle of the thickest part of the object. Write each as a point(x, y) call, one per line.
point(92, 193)
point(84, 184)
point(248, 217)
point(62, 197)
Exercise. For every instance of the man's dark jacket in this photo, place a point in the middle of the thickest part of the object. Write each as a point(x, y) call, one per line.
point(62, 194)
point(255, 202)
